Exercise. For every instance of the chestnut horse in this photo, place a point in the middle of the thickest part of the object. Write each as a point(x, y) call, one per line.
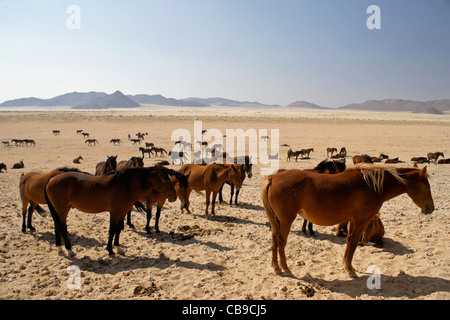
point(373, 233)
point(115, 192)
point(355, 195)
point(210, 178)
point(31, 189)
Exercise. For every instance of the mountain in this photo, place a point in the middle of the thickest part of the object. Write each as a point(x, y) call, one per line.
point(435, 106)
point(305, 104)
point(22, 102)
point(226, 102)
point(73, 99)
point(159, 99)
point(115, 100)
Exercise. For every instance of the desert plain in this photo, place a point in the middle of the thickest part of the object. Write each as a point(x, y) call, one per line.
point(227, 256)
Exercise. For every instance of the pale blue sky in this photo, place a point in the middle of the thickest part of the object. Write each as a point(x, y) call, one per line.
point(274, 52)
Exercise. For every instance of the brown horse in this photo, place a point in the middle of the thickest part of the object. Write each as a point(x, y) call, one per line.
point(355, 195)
point(420, 159)
point(373, 233)
point(331, 151)
point(115, 141)
point(160, 150)
point(31, 189)
point(144, 151)
point(291, 154)
point(115, 192)
point(365, 158)
point(444, 161)
point(134, 162)
point(247, 165)
point(18, 165)
point(106, 166)
point(3, 166)
point(91, 142)
point(210, 178)
point(434, 156)
point(77, 160)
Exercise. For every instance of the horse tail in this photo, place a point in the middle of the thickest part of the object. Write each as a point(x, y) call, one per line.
point(199, 192)
point(140, 207)
point(52, 209)
point(273, 219)
point(40, 211)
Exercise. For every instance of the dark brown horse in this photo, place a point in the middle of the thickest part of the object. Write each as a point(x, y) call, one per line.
point(134, 162)
point(434, 156)
point(444, 161)
point(144, 151)
point(91, 142)
point(355, 195)
point(18, 165)
point(3, 166)
point(247, 166)
point(160, 150)
point(31, 189)
point(373, 233)
point(115, 192)
point(77, 159)
point(106, 166)
point(291, 154)
point(210, 178)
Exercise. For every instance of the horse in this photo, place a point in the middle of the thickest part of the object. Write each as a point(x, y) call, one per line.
point(31, 189)
point(56, 132)
point(355, 195)
point(420, 159)
point(343, 152)
point(30, 142)
point(85, 134)
point(177, 155)
point(395, 160)
point(3, 166)
point(444, 161)
point(77, 160)
point(181, 185)
point(307, 151)
point(210, 178)
point(136, 141)
point(115, 192)
point(331, 150)
point(134, 162)
point(434, 156)
point(19, 165)
point(91, 142)
point(160, 150)
point(247, 165)
point(292, 154)
point(79, 131)
point(374, 232)
point(149, 144)
point(362, 159)
point(106, 166)
point(115, 141)
point(144, 151)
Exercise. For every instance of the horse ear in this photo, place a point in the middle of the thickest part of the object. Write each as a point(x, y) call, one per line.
point(415, 165)
point(424, 171)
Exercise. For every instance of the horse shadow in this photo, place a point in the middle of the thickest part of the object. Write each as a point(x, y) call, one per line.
point(402, 285)
point(229, 219)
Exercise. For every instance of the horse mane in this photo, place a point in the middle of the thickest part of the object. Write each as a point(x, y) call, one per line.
point(374, 175)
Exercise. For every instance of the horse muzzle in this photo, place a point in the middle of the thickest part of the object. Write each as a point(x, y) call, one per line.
point(429, 208)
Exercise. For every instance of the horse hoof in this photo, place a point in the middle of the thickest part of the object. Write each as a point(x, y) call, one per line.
point(70, 253)
point(352, 274)
point(278, 271)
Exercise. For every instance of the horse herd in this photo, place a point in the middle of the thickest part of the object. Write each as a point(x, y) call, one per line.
point(329, 194)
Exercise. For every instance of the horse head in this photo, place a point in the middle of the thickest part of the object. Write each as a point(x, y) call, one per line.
point(418, 189)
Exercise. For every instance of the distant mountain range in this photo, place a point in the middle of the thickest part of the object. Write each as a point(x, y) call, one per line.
point(101, 100)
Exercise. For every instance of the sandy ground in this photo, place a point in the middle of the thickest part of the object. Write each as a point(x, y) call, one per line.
point(227, 256)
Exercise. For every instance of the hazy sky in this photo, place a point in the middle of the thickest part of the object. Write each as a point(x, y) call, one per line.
point(274, 52)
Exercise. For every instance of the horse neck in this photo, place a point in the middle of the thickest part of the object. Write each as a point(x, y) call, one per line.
point(392, 187)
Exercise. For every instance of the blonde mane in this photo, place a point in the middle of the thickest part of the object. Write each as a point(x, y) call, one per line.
point(374, 175)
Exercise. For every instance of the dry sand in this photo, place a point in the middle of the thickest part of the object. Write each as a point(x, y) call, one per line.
point(227, 256)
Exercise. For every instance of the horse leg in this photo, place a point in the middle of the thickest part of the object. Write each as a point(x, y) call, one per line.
point(305, 222)
point(231, 193)
point(120, 227)
point(31, 208)
point(24, 214)
point(310, 228)
point(158, 213)
point(129, 220)
point(236, 196)
point(208, 197)
point(149, 217)
point(220, 193)
point(285, 228)
point(355, 230)
point(113, 226)
point(213, 202)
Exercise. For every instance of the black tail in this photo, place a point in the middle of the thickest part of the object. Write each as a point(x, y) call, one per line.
point(41, 211)
point(53, 212)
point(141, 208)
